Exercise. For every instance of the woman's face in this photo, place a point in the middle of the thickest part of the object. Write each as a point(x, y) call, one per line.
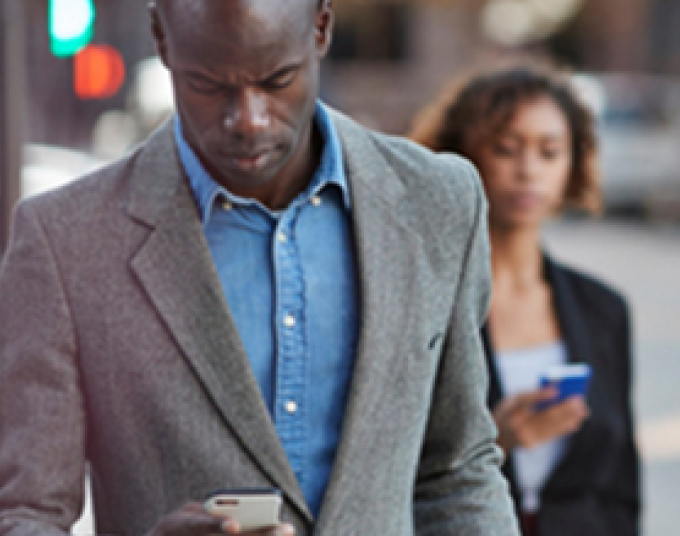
point(526, 166)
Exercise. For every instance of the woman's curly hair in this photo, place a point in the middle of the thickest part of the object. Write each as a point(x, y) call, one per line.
point(472, 110)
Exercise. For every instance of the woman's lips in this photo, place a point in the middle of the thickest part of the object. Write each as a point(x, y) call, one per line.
point(525, 200)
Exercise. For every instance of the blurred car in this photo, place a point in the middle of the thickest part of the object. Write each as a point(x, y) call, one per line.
point(639, 135)
point(46, 167)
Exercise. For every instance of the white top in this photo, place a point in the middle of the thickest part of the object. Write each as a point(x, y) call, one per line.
point(520, 371)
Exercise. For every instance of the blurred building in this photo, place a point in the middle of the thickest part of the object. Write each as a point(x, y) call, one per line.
point(388, 56)
point(383, 85)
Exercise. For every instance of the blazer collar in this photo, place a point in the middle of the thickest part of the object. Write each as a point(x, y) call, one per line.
point(578, 339)
point(156, 179)
point(157, 175)
point(574, 331)
point(367, 170)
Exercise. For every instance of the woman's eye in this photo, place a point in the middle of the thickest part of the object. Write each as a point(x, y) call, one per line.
point(551, 154)
point(503, 150)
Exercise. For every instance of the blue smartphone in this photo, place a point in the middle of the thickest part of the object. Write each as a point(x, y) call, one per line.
point(569, 380)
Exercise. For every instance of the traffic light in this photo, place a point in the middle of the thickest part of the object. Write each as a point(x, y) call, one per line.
point(71, 25)
point(98, 72)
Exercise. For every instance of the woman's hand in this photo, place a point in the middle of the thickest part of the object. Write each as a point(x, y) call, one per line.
point(520, 424)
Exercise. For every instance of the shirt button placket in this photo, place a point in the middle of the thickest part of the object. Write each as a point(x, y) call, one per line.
point(291, 350)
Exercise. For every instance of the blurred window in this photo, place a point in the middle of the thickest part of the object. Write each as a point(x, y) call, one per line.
point(372, 32)
point(643, 101)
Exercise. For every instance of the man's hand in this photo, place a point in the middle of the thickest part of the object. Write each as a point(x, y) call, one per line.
point(521, 425)
point(192, 520)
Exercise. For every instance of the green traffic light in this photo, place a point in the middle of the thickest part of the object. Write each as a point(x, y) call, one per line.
point(71, 25)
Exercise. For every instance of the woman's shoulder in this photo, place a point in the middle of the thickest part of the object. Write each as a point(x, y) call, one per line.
point(588, 288)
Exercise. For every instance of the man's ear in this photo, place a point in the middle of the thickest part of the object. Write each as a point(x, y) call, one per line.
point(323, 27)
point(158, 33)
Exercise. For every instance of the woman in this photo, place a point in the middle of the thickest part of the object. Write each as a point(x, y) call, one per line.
point(573, 468)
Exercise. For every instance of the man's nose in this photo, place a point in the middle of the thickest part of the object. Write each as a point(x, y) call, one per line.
point(246, 113)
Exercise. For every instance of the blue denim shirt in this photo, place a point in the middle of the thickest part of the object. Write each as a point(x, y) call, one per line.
point(290, 281)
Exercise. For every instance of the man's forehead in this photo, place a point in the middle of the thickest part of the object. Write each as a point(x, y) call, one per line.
point(257, 36)
point(201, 7)
point(240, 19)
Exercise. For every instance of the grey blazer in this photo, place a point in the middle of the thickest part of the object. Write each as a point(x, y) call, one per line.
point(117, 348)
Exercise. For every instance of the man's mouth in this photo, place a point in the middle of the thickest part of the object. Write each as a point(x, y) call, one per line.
point(249, 160)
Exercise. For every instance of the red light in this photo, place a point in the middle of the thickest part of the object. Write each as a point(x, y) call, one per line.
point(99, 72)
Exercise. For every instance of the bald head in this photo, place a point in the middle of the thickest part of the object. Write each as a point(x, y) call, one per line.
point(246, 78)
point(195, 16)
point(197, 6)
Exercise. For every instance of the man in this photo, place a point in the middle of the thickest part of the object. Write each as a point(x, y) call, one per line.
point(264, 294)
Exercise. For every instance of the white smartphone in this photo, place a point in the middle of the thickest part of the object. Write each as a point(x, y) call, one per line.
point(252, 509)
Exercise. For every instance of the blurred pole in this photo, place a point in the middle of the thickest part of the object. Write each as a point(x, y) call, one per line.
point(12, 106)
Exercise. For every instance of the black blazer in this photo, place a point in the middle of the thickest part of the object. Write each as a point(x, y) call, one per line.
point(595, 489)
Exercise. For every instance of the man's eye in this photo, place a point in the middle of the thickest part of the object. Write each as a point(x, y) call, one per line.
point(201, 85)
point(281, 80)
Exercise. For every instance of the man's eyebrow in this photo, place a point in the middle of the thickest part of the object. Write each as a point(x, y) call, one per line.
point(198, 74)
point(195, 75)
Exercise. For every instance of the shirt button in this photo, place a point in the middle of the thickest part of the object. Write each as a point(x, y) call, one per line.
point(283, 237)
point(289, 321)
point(316, 201)
point(226, 205)
point(291, 407)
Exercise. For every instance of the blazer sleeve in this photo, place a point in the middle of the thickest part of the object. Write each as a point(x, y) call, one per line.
point(41, 417)
point(622, 492)
point(459, 488)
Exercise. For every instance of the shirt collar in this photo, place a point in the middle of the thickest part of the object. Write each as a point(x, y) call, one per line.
point(331, 168)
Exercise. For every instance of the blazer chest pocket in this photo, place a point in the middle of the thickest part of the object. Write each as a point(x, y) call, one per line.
point(435, 341)
point(422, 363)
point(409, 385)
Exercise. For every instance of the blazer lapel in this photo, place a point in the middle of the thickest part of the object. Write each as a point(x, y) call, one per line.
point(494, 396)
point(387, 253)
point(495, 389)
point(574, 332)
point(176, 270)
point(579, 349)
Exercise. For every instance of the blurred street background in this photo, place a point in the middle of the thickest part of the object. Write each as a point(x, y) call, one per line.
point(80, 85)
